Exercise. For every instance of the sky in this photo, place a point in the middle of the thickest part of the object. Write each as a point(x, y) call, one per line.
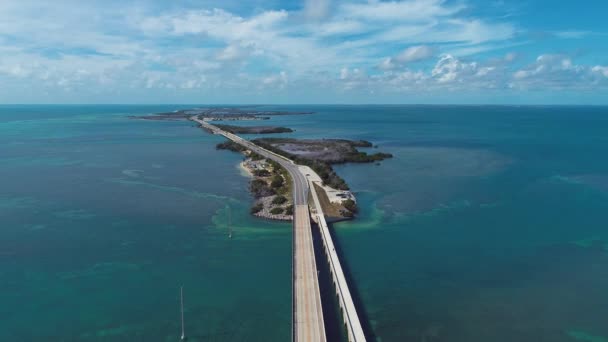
point(302, 52)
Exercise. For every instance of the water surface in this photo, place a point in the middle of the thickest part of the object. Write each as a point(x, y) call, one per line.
point(488, 225)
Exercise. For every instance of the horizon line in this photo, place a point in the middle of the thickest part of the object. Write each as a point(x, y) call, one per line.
point(313, 104)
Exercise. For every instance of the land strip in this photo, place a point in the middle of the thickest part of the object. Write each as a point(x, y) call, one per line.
point(218, 114)
point(253, 129)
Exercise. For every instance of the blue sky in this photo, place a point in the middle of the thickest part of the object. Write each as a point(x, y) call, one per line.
point(311, 51)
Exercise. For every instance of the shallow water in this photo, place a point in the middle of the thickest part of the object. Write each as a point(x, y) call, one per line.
point(488, 225)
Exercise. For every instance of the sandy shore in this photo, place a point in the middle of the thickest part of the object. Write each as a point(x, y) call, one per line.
point(245, 170)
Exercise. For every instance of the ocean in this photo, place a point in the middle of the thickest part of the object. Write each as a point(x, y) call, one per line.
point(487, 225)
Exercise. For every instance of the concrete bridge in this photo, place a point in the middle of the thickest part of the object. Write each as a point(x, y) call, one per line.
point(307, 316)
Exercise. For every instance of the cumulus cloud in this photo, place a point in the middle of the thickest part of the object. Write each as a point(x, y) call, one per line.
point(450, 69)
point(559, 72)
point(339, 46)
point(351, 78)
point(601, 70)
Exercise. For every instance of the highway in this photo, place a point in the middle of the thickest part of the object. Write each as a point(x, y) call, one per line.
point(308, 323)
point(350, 316)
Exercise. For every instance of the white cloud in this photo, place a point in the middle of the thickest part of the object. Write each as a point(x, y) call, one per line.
point(467, 33)
point(559, 72)
point(316, 9)
point(415, 53)
point(339, 27)
point(193, 83)
point(230, 53)
point(129, 48)
point(412, 10)
point(215, 23)
point(450, 69)
point(279, 80)
point(16, 70)
point(409, 55)
point(352, 78)
point(602, 70)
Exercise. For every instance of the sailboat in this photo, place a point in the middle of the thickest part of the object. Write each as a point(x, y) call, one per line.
point(181, 296)
point(229, 224)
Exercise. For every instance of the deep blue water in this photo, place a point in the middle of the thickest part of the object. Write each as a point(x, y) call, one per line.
point(488, 225)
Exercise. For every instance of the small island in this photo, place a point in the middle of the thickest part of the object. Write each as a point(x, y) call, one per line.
point(337, 201)
point(320, 154)
point(271, 184)
point(253, 129)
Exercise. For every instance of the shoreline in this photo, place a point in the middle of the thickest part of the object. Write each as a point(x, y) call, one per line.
point(262, 172)
point(245, 171)
point(276, 204)
point(271, 185)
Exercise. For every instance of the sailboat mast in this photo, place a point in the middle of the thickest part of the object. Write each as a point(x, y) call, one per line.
point(229, 224)
point(181, 296)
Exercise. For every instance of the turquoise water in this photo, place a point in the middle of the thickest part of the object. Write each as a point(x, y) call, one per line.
point(488, 225)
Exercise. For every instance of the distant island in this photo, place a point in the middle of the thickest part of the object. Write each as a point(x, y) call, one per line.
point(218, 114)
point(271, 184)
point(254, 129)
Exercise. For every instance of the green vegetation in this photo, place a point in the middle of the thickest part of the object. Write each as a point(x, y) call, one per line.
point(274, 165)
point(260, 188)
point(255, 157)
point(289, 210)
point(362, 157)
point(350, 205)
point(332, 151)
point(280, 199)
point(345, 152)
point(324, 170)
point(277, 211)
point(276, 182)
point(261, 173)
point(231, 146)
point(253, 129)
point(346, 213)
point(256, 208)
point(286, 188)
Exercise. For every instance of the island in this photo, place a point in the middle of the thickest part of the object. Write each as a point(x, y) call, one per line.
point(218, 114)
point(253, 129)
point(319, 154)
point(271, 184)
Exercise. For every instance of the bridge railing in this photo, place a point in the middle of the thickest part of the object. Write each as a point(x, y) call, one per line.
point(349, 312)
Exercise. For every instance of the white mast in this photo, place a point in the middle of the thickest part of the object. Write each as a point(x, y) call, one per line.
point(229, 226)
point(181, 295)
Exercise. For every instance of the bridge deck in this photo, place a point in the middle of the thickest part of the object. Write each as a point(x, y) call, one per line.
point(345, 300)
point(308, 324)
point(308, 312)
